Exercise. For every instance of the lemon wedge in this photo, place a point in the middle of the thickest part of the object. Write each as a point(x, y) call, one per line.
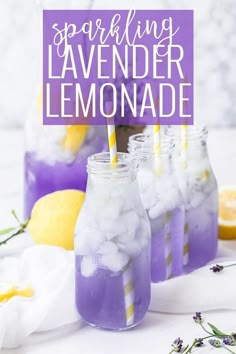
point(227, 212)
point(74, 138)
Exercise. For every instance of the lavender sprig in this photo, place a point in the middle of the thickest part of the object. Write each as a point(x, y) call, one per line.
point(216, 338)
point(219, 268)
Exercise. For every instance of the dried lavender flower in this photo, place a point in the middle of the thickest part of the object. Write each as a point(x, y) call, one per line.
point(198, 342)
point(215, 343)
point(217, 268)
point(177, 345)
point(229, 340)
point(198, 318)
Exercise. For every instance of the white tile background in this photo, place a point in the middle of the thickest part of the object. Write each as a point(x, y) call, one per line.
point(215, 54)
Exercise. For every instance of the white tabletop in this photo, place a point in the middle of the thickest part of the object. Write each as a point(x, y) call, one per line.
point(157, 331)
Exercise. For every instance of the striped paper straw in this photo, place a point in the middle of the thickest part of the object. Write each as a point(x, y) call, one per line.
point(186, 244)
point(168, 248)
point(184, 144)
point(111, 131)
point(157, 143)
point(128, 286)
point(184, 150)
point(129, 295)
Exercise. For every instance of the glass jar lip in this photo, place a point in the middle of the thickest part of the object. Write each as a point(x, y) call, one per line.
point(101, 163)
point(144, 143)
point(194, 132)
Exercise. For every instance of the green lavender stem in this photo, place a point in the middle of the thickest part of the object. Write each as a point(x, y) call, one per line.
point(230, 265)
point(229, 350)
point(20, 230)
point(193, 344)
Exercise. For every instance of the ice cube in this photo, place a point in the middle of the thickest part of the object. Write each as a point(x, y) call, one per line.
point(156, 210)
point(88, 241)
point(196, 198)
point(199, 220)
point(114, 262)
point(112, 208)
point(111, 228)
point(131, 219)
point(107, 248)
point(130, 223)
point(88, 266)
point(145, 178)
point(132, 249)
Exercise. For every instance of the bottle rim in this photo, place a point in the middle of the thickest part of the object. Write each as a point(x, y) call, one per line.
point(100, 164)
point(143, 144)
point(195, 133)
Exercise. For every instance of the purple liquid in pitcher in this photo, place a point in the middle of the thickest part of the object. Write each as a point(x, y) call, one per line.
point(100, 298)
point(41, 178)
point(159, 232)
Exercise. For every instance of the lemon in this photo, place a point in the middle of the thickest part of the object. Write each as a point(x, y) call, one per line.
point(53, 218)
point(227, 213)
point(74, 138)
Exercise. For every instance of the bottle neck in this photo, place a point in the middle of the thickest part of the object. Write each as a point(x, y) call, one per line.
point(142, 147)
point(100, 168)
point(190, 141)
point(195, 142)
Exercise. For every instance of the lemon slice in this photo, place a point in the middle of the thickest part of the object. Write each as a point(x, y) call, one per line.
point(7, 291)
point(227, 212)
point(74, 138)
point(25, 292)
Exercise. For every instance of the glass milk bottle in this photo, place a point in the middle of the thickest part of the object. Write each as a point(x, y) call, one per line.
point(164, 205)
point(56, 156)
point(199, 187)
point(112, 246)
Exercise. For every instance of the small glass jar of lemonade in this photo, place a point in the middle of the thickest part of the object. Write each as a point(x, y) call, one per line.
point(164, 204)
point(112, 246)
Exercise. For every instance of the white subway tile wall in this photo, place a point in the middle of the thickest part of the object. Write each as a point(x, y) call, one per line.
point(215, 54)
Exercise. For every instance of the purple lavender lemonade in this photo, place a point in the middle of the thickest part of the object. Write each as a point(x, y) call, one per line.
point(101, 302)
point(112, 246)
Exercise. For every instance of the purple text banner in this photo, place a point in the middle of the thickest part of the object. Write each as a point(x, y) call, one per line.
point(140, 61)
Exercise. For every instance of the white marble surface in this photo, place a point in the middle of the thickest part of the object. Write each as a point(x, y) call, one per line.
point(158, 330)
point(215, 51)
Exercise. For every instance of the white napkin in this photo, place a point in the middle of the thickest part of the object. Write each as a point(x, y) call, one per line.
point(50, 271)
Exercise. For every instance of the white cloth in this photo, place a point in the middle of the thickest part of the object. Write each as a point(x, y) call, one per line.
point(50, 271)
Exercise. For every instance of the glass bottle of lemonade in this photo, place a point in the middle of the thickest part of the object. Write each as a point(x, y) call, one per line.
point(112, 246)
point(163, 202)
point(56, 156)
point(200, 191)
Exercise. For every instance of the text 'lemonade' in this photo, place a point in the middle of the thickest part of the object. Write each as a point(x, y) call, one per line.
point(112, 246)
point(163, 202)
